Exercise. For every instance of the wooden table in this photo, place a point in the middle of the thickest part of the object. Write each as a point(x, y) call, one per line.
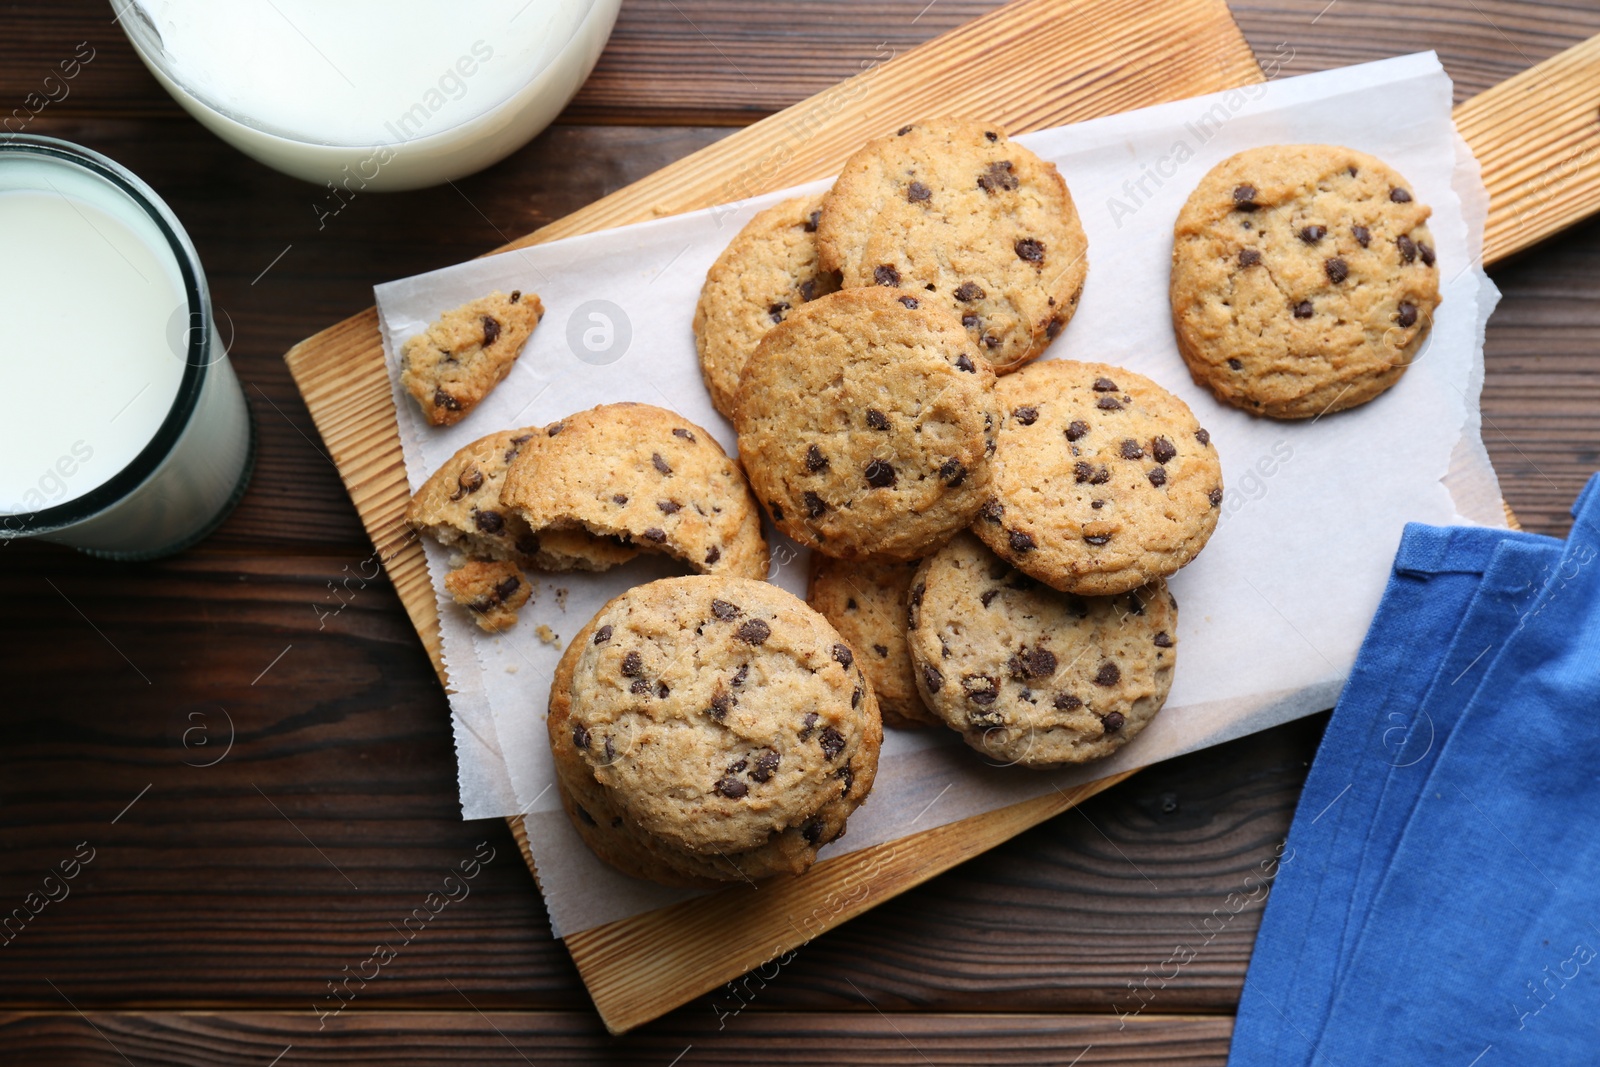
point(233, 885)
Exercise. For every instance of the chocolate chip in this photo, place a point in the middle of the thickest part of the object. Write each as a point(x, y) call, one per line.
point(807, 725)
point(879, 474)
point(967, 292)
point(580, 735)
point(832, 742)
point(669, 507)
point(775, 312)
point(516, 295)
point(662, 690)
point(488, 521)
point(1052, 328)
point(991, 135)
point(905, 130)
point(754, 631)
point(1215, 496)
point(724, 610)
point(1249, 257)
point(811, 830)
point(1076, 429)
point(602, 635)
point(886, 275)
point(1407, 247)
point(503, 591)
point(815, 460)
point(776, 509)
point(988, 595)
point(632, 664)
point(1400, 196)
point(918, 193)
point(1338, 270)
point(816, 507)
point(1097, 504)
point(1304, 310)
point(659, 463)
point(1108, 674)
point(1021, 542)
point(732, 788)
point(992, 510)
point(1131, 449)
point(721, 702)
point(1036, 662)
point(932, 679)
point(1157, 476)
point(639, 686)
point(808, 290)
point(766, 766)
point(470, 481)
point(980, 689)
point(713, 554)
point(999, 176)
point(1313, 233)
point(954, 472)
point(1108, 403)
point(1425, 250)
point(1083, 471)
point(909, 302)
point(619, 499)
point(1362, 234)
point(611, 751)
point(1244, 197)
point(1408, 315)
point(970, 321)
point(741, 674)
point(1234, 364)
point(812, 221)
point(1027, 416)
point(491, 330)
point(516, 446)
point(1203, 435)
point(442, 399)
point(1113, 721)
point(964, 362)
point(1162, 640)
point(1097, 539)
point(656, 534)
point(1162, 449)
point(1066, 702)
point(847, 775)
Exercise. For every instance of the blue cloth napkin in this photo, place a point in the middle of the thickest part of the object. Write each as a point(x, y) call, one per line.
point(1439, 896)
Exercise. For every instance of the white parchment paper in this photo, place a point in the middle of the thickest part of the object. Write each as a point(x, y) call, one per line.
point(1271, 614)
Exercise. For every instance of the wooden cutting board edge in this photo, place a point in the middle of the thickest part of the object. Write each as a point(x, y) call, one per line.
point(1534, 137)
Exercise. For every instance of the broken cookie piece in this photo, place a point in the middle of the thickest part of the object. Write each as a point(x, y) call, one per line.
point(492, 592)
point(466, 352)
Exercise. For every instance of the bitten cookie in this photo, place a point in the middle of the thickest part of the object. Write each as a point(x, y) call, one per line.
point(1303, 279)
point(960, 214)
point(492, 592)
point(865, 422)
point(1102, 480)
point(724, 721)
point(867, 602)
point(459, 506)
point(645, 476)
point(1032, 676)
point(766, 271)
point(466, 352)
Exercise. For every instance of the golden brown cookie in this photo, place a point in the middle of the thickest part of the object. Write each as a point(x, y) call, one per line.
point(1304, 279)
point(1032, 676)
point(865, 422)
point(642, 475)
point(1103, 480)
point(724, 721)
point(959, 213)
point(867, 602)
point(492, 592)
point(766, 271)
point(454, 364)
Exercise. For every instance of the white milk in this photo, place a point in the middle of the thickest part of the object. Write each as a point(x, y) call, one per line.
point(112, 441)
point(372, 94)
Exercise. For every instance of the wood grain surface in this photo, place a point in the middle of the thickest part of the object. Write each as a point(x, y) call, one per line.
point(209, 923)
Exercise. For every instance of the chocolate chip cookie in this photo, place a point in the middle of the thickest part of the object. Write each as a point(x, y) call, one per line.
point(865, 421)
point(1102, 480)
point(1304, 279)
point(1032, 676)
point(459, 506)
point(960, 214)
point(867, 602)
point(725, 722)
point(644, 476)
point(492, 592)
point(454, 364)
point(768, 270)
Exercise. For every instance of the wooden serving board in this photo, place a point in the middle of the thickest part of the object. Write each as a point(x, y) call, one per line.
point(1029, 65)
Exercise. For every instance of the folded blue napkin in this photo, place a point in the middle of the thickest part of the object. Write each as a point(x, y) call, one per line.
point(1409, 891)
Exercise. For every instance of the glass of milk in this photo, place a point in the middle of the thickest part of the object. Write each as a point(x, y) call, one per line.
point(126, 434)
point(371, 94)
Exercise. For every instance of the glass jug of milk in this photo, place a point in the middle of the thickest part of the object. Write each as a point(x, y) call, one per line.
point(126, 433)
point(371, 94)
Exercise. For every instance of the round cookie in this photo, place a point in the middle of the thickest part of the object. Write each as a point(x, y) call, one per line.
point(867, 602)
point(459, 506)
point(865, 422)
point(723, 719)
point(959, 213)
point(767, 270)
point(645, 476)
point(1102, 480)
point(1304, 279)
point(1032, 676)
